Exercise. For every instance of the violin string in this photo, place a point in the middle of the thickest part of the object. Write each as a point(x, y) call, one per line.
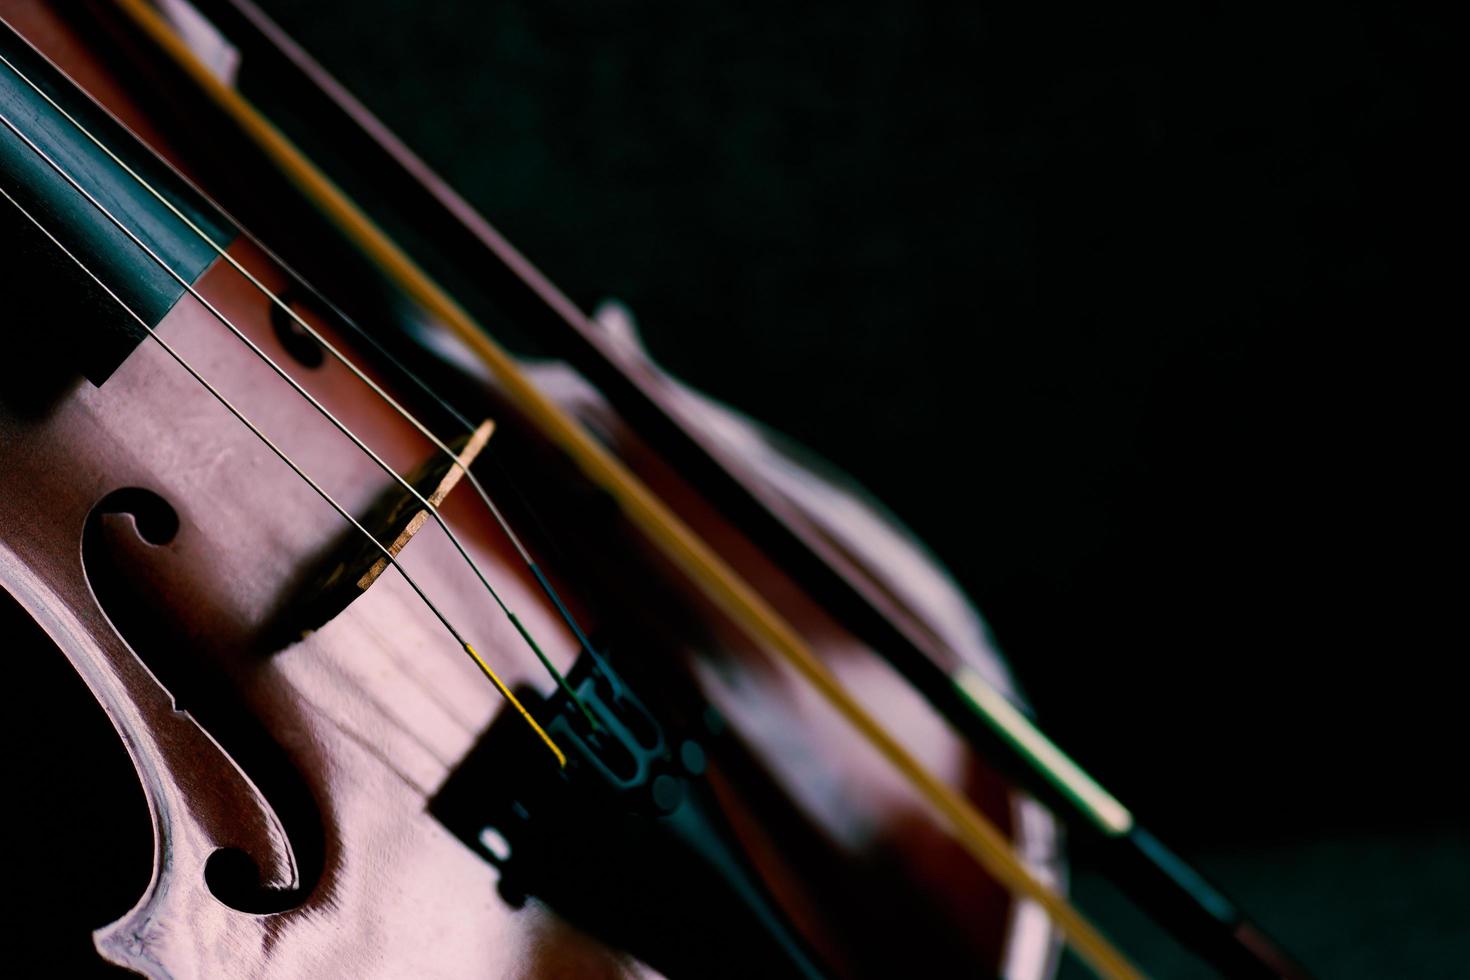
point(317, 405)
point(337, 354)
point(719, 583)
point(281, 454)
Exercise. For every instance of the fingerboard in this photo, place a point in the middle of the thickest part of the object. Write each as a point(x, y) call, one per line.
point(75, 216)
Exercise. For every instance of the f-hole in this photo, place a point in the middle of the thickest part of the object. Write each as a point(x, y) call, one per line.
point(127, 536)
point(292, 337)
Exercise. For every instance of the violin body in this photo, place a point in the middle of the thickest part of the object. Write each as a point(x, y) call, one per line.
point(295, 738)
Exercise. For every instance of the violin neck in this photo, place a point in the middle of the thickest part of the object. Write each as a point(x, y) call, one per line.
point(69, 171)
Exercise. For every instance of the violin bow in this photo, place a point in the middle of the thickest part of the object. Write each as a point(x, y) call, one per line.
point(1162, 882)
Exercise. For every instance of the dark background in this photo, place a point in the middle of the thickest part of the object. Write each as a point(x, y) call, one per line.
point(1130, 313)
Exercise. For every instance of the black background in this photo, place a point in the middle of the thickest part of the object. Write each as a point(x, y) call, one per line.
point(1130, 313)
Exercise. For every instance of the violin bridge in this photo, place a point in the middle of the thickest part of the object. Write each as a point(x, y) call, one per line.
point(439, 473)
point(351, 568)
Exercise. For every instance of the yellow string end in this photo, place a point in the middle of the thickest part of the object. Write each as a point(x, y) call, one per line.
point(505, 692)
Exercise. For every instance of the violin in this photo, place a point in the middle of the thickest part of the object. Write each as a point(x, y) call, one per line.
point(435, 659)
